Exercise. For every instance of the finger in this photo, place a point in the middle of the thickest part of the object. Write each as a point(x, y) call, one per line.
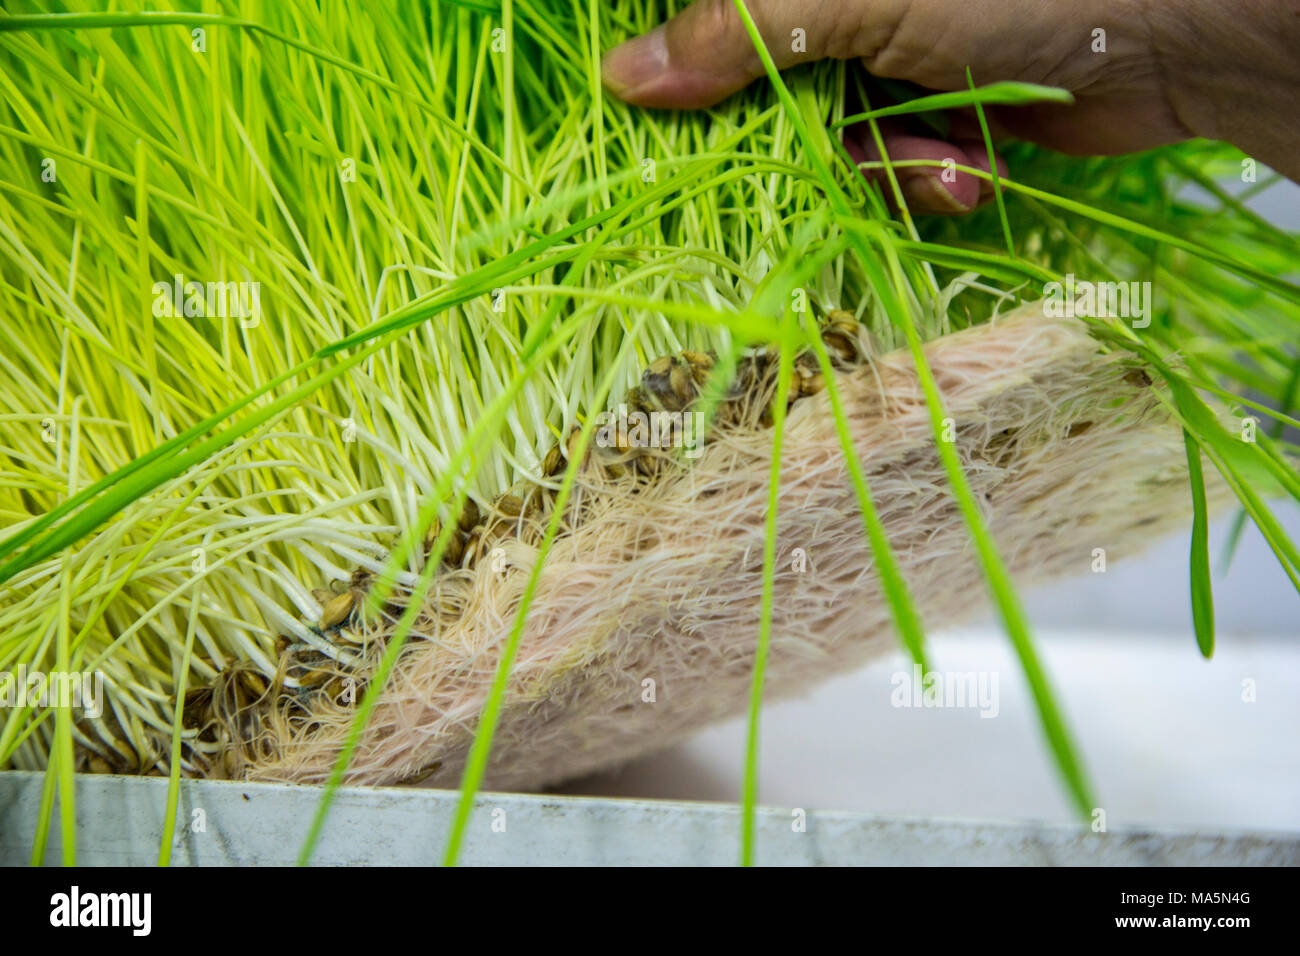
point(1088, 127)
point(705, 54)
point(940, 189)
point(966, 133)
point(979, 159)
point(965, 130)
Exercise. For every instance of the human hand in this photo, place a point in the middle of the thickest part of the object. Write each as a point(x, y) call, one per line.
point(1162, 71)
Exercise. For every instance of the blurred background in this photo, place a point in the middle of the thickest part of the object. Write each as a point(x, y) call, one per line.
point(1166, 736)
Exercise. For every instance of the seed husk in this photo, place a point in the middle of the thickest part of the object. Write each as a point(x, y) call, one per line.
point(667, 385)
point(337, 687)
point(349, 636)
point(699, 360)
point(473, 545)
point(253, 683)
point(571, 443)
point(637, 400)
point(682, 386)
point(553, 464)
point(337, 610)
point(431, 534)
point(509, 506)
point(98, 764)
point(197, 709)
point(313, 677)
point(454, 551)
point(469, 515)
point(841, 334)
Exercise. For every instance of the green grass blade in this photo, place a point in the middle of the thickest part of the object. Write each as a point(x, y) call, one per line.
point(995, 573)
point(476, 764)
point(1009, 93)
point(749, 799)
point(901, 607)
point(174, 775)
point(993, 169)
point(1202, 596)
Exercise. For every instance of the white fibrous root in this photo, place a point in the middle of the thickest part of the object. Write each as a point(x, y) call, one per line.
point(644, 625)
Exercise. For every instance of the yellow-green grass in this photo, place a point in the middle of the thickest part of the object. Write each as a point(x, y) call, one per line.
point(461, 247)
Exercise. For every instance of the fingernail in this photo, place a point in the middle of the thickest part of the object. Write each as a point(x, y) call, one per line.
point(926, 193)
point(635, 63)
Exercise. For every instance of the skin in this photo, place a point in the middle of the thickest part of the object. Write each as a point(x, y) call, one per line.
point(1172, 70)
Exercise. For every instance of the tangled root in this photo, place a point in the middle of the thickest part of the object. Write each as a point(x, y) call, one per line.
point(644, 624)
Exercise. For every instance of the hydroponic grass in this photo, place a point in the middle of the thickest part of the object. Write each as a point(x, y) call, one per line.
point(462, 251)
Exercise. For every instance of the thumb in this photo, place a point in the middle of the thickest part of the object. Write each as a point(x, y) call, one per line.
point(705, 54)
